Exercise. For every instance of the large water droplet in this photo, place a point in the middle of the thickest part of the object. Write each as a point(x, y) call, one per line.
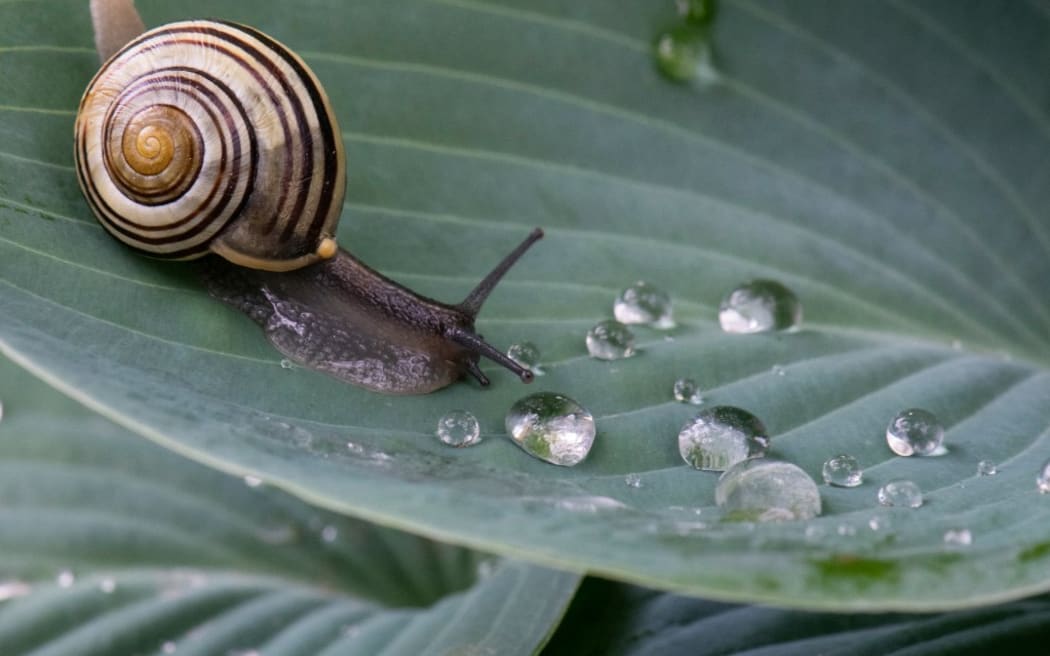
point(760, 306)
point(720, 437)
point(527, 355)
point(683, 53)
point(642, 303)
point(958, 537)
point(687, 391)
point(987, 468)
point(610, 340)
point(901, 493)
point(767, 490)
point(551, 427)
point(459, 428)
point(699, 12)
point(1042, 481)
point(915, 432)
point(843, 471)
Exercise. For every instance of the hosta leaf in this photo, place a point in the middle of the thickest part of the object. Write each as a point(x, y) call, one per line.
point(888, 162)
point(640, 622)
point(112, 545)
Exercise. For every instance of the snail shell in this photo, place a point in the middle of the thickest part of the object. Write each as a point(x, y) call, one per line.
point(206, 136)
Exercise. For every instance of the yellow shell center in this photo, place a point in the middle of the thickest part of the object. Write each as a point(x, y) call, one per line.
point(155, 155)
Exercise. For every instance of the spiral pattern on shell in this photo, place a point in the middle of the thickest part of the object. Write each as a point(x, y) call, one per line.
point(206, 135)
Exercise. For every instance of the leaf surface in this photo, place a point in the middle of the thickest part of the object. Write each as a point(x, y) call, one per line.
point(888, 162)
point(112, 545)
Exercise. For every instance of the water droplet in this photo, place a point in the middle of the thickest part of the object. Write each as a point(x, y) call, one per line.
point(527, 355)
point(252, 481)
point(487, 567)
point(778, 370)
point(551, 427)
point(843, 471)
point(719, 437)
point(686, 391)
point(760, 306)
point(610, 340)
point(987, 468)
point(643, 303)
point(1042, 481)
point(594, 504)
point(683, 53)
point(699, 12)
point(633, 480)
point(900, 493)
point(815, 532)
point(11, 589)
point(846, 530)
point(958, 537)
point(914, 432)
point(65, 579)
point(287, 364)
point(957, 345)
point(168, 647)
point(329, 534)
point(107, 585)
point(879, 524)
point(767, 490)
point(459, 428)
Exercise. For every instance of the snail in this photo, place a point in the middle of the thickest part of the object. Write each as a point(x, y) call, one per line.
point(209, 139)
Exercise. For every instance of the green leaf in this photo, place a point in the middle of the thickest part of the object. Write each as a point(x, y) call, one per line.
point(638, 622)
point(112, 545)
point(885, 161)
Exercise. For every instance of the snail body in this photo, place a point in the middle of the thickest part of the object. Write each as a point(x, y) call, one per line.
point(208, 139)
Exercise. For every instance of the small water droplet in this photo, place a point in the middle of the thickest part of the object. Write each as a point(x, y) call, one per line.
point(252, 481)
point(843, 471)
point(1042, 481)
point(11, 589)
point(487, 567)
point(900, 493)
point(687, 391)
point(527, 355)
point(765, 490)
point(168, 647)
point(915, 432)
point(957, 345)
point(65, 579)
point(879, 524)
point(610, 340)
point(642, 303)
point(699, 12)
point(760, 306)
point(719, 437)
point(815, 532)
point(287, 364)
point(958, 537)
point(633, 480)
point(592, 504)
point(329, 534)
point(846, 530)
point(987, 468)
point(778, 370)
point(107, 585)
point(551, 427)
point(683, 53)
point(459, 428)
